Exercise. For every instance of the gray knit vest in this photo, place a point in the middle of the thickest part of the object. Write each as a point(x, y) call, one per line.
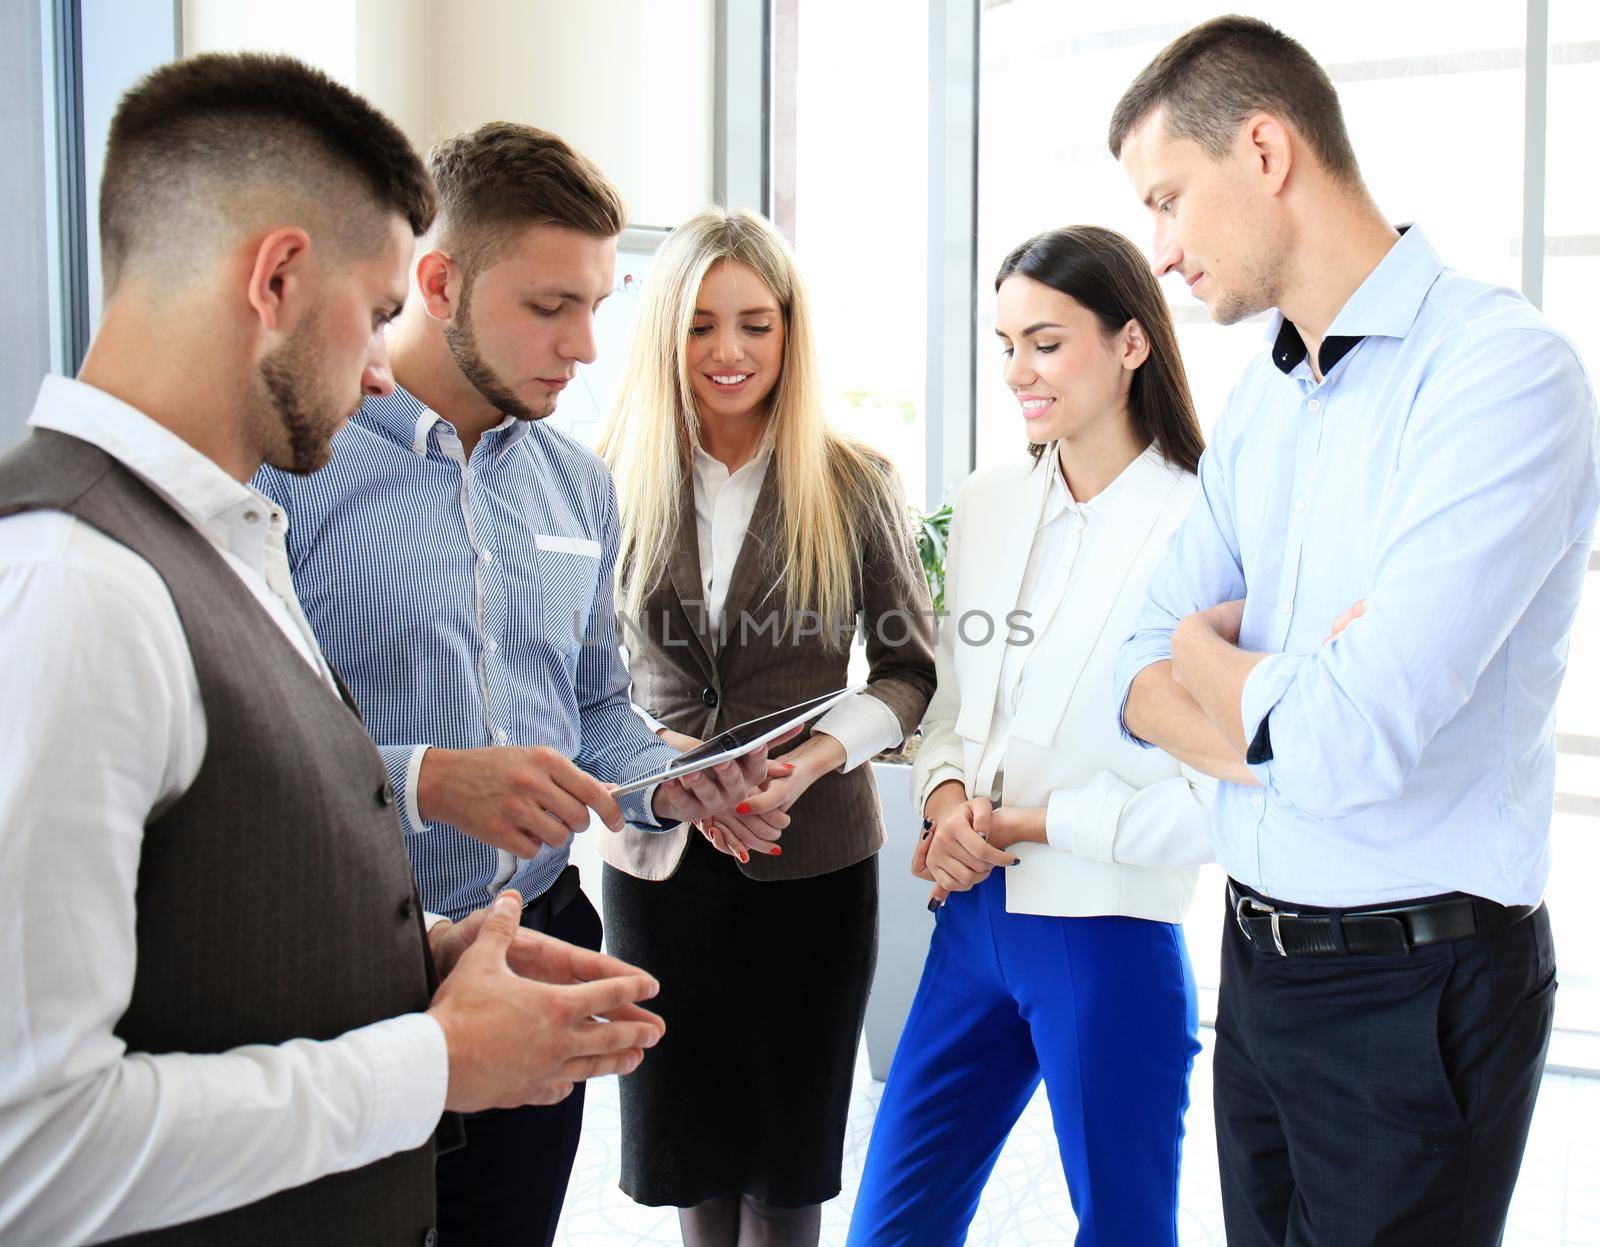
point(275, 900)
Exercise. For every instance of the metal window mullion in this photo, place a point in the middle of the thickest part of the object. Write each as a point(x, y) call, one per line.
point(742, 124)
point(951, 428)
point(71, 197)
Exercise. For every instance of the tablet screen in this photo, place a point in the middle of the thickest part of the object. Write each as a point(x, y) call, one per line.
point(741, 734)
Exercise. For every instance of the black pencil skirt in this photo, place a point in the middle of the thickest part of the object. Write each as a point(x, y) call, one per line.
point(763, 988)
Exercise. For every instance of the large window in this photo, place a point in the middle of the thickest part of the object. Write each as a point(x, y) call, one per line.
point(850, 165)
point(1434, 95)
point(1572, 302)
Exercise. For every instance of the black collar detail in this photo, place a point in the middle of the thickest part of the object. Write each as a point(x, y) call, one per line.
point(1290, 349)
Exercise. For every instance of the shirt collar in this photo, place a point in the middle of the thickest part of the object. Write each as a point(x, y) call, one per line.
point(195, 485)
point(401, 417)
point(708, 464)
point(1135, 489)
point(1385, 305)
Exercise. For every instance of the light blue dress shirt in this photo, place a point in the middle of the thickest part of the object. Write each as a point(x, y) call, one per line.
point(1445, 470)
point(468, 602)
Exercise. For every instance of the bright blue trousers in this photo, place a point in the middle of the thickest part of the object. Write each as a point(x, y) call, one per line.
point(1103, 1009)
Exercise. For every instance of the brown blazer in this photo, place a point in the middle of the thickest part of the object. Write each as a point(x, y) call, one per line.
point(698, 689)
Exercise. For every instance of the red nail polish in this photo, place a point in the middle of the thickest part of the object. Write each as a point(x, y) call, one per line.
point(744, 807)
point(776, 851)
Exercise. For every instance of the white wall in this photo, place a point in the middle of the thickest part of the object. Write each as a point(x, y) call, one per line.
point(392, 63)
point(320, 32)
point(627, 82)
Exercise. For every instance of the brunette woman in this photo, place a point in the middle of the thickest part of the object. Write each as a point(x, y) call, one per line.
point(1067, 963)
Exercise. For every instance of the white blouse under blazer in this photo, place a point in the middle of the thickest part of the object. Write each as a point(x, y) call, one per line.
point(1128, 827)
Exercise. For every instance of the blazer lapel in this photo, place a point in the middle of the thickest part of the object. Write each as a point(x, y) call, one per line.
point(1003, 551)
point(1097, 581)
point(683, 570)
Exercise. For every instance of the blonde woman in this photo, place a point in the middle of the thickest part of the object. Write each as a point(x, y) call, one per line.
point(754, 541)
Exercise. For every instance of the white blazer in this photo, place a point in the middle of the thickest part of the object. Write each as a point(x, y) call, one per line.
point(1140, 824)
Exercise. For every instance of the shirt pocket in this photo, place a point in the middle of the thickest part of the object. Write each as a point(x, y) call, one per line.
point(569, 572)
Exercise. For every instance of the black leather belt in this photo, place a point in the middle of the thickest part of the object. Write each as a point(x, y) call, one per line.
point(1290, 931)
point(538, 913)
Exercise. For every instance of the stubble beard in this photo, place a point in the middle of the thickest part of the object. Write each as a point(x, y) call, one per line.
point(462, 341)
point(287, 402)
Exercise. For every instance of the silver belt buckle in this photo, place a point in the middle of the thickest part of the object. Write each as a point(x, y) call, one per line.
point(1262, 909)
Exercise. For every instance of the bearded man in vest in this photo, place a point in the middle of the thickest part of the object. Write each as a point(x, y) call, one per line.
point(223, 1021)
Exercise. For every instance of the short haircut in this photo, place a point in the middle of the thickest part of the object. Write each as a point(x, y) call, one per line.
point(227, 137)
point(1208, 80)
point(502, 177)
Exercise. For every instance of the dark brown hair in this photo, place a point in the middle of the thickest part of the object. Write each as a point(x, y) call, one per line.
point(199, 126)
point(1104, 272)
point(503, 177)
point(1208, 80)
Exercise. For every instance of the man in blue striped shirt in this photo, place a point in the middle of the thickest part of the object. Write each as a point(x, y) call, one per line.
point(455, 561)
point(1362, 626)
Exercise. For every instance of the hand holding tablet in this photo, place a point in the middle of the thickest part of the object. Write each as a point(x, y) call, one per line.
point(735, 742)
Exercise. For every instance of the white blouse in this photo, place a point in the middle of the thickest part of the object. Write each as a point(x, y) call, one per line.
point(723, 504)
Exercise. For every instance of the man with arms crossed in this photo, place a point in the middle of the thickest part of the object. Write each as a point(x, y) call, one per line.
point(1369, 607)
point(217, 988)
point(455, 562)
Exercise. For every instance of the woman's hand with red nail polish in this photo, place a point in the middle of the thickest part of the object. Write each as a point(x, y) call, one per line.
point(739, 835)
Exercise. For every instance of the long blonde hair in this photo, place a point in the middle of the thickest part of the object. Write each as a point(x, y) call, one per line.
point(826, 481)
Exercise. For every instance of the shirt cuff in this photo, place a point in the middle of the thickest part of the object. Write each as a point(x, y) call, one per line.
point(636, 808)
point(1089, 818)
point(1058, 818)
point(653, 723)
point(413, 771)
point(1128, 668)
point(410, 1065)
point(403, 764)
point(431, 920)
point(1264, 688)
point(864, 725)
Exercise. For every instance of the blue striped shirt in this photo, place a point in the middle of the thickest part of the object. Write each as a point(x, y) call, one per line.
point(468, 603)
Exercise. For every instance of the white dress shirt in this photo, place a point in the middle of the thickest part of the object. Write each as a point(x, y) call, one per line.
point(1065, 527)
point(1067, 531)
point(723, 504)
point(104, 730)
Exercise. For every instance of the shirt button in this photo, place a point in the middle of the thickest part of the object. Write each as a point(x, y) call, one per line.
point(487, 556)
point(493, 645)
point(1256, 800)
point(501, 736)
point(252, 517)
point(1284, 607)
point(1314, 404)
point(1299, 504)
point(709, 696)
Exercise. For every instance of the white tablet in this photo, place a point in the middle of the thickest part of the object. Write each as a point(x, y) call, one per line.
point(743, 738)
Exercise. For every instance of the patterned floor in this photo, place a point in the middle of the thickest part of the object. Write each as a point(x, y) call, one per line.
point(1025, 1203)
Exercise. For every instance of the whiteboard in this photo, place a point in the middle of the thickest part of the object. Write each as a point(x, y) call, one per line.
point(586, 404)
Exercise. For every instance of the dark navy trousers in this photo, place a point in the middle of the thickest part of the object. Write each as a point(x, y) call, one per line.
point(1379, 1101)
point(1102, 1009)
